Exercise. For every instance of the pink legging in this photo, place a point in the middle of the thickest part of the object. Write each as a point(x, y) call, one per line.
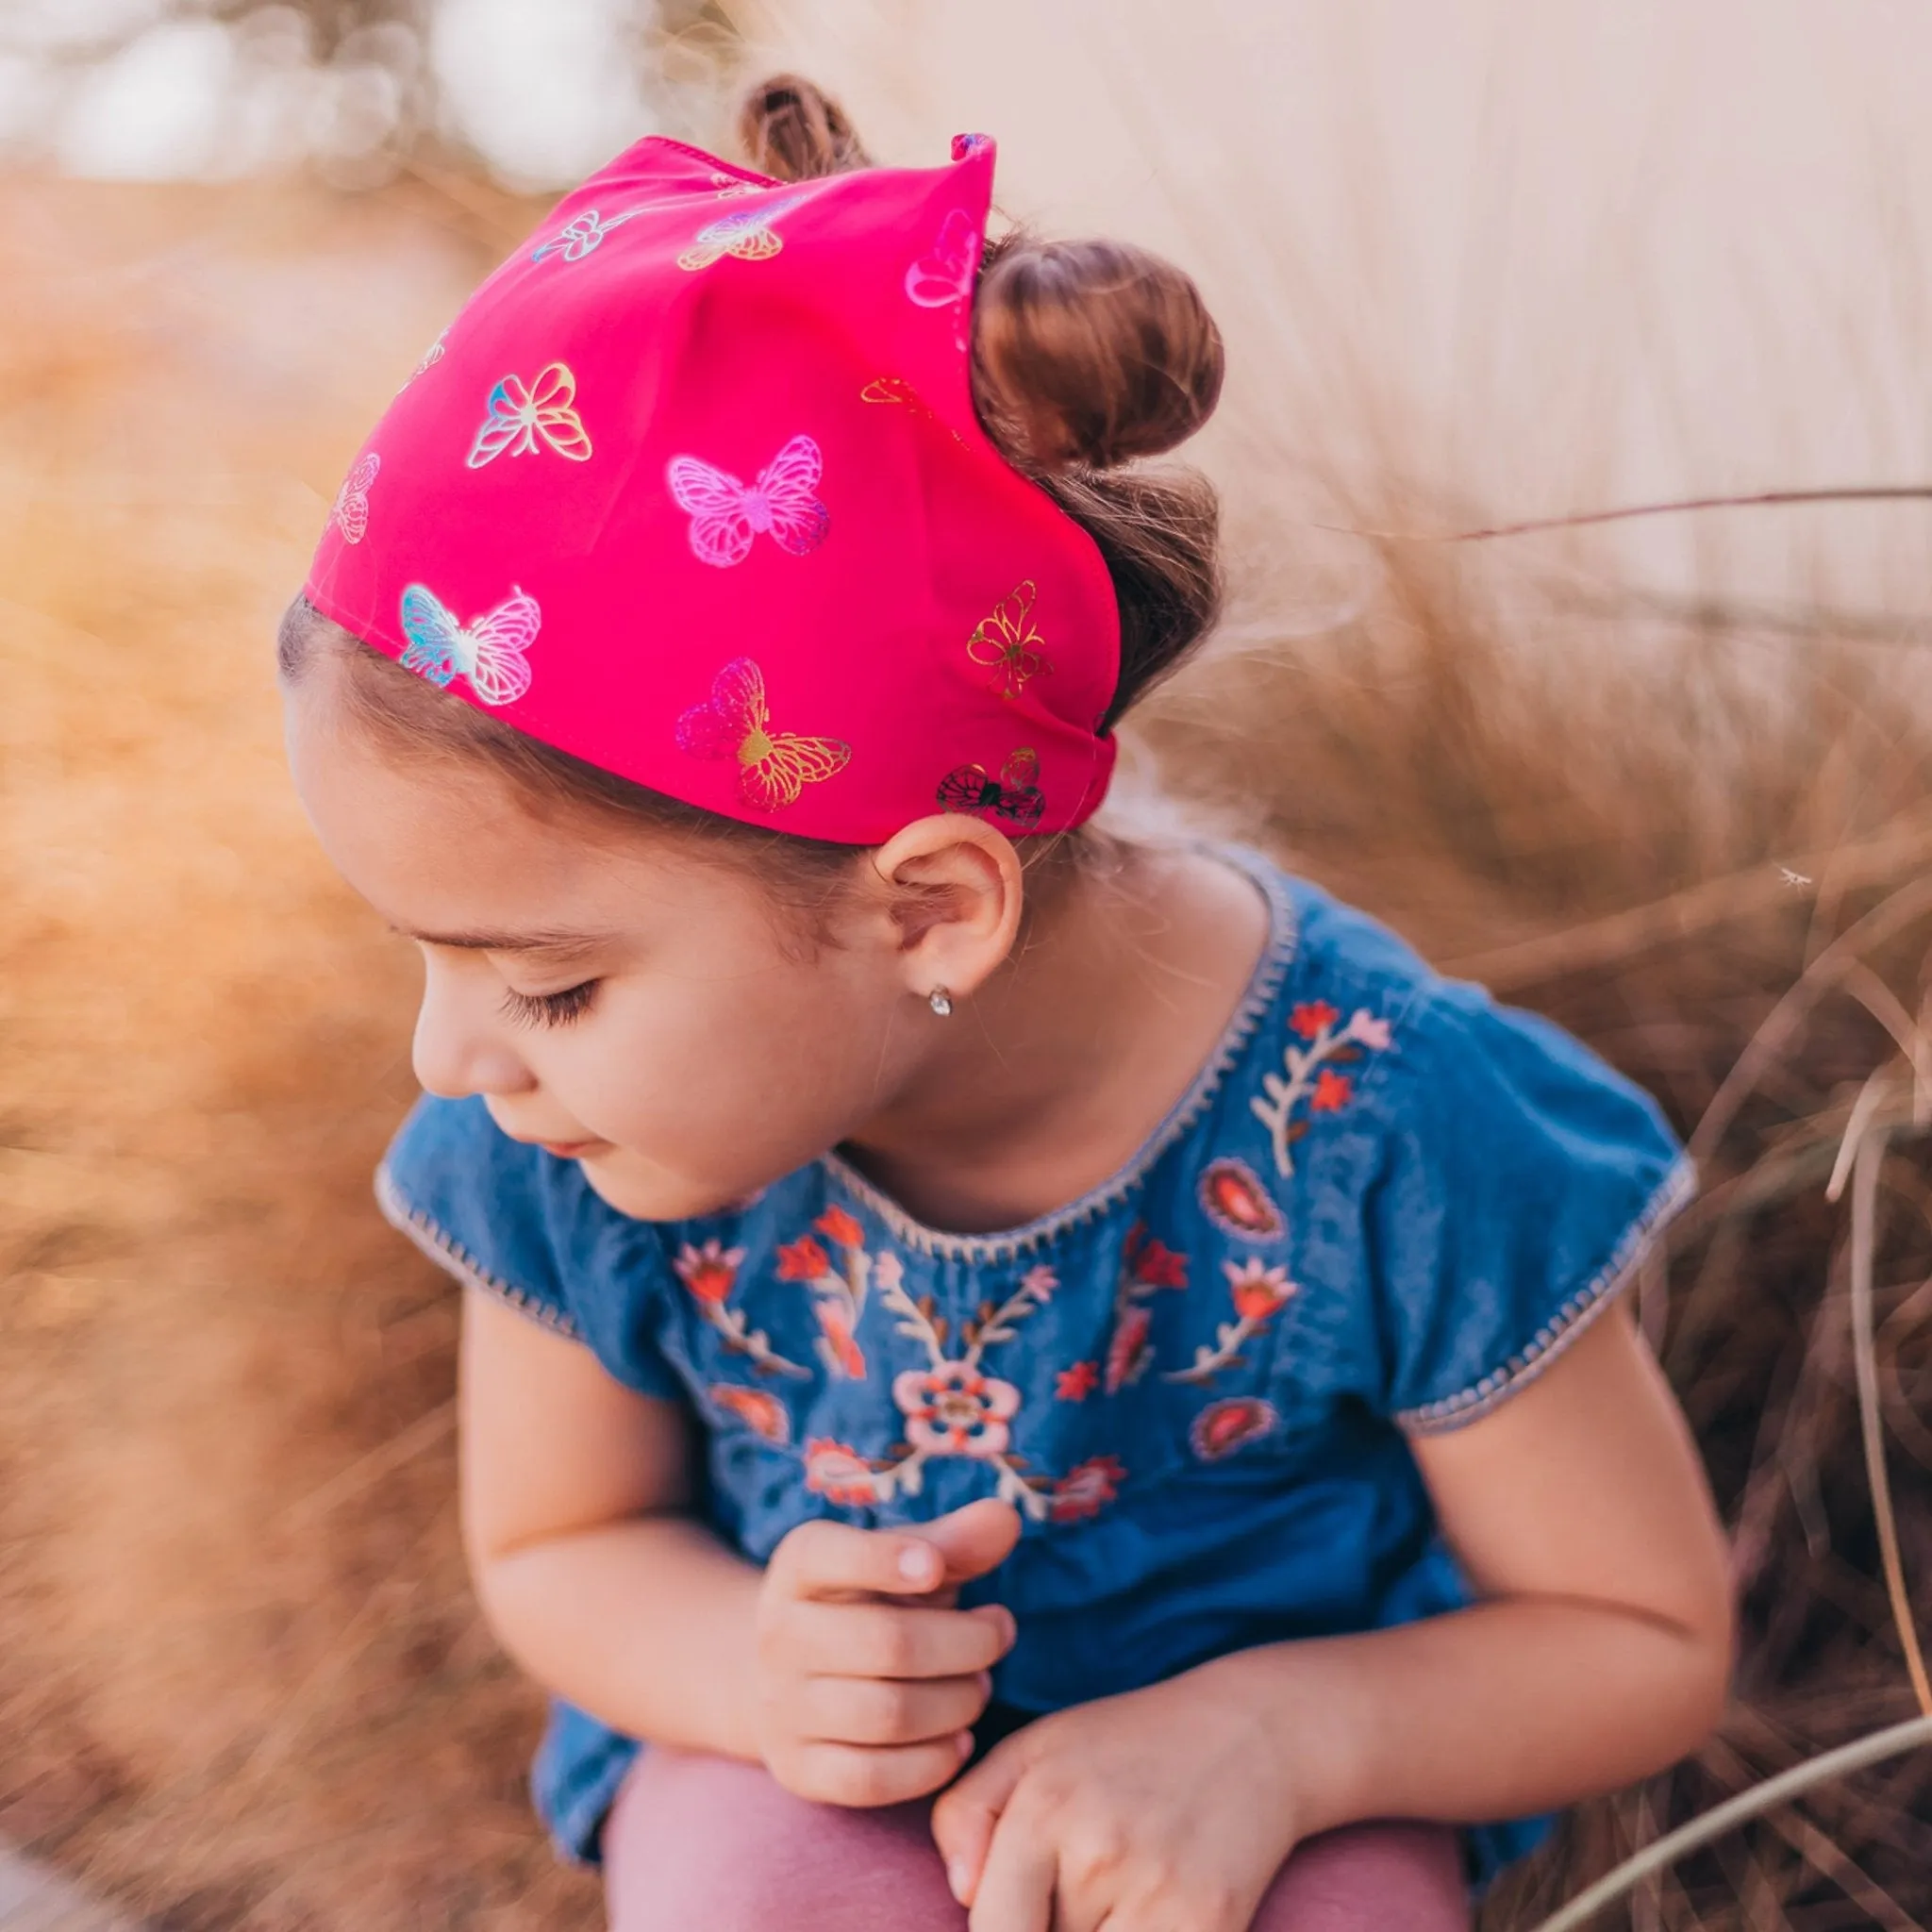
point(706, 1845)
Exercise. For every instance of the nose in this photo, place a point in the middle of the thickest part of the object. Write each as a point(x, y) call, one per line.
point(460, 1047)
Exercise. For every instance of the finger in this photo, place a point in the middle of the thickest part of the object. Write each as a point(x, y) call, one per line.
point(883, 1641)
point(1016, 1890)
point(974, 1540)
point(824, 1559)
point(966, 1813)
point(888, 1710)
point(859, 1776)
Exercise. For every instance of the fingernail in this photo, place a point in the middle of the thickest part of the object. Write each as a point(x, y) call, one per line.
point(916, 1562)
point(958, 1879)
point(963, 1743)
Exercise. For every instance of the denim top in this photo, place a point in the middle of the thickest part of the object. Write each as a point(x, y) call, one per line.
point(1385, 1203)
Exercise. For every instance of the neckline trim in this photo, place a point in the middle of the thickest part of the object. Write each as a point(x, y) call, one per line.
point(1263, 985)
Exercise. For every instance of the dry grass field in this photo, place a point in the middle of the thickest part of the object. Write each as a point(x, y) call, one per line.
point(241, 1683)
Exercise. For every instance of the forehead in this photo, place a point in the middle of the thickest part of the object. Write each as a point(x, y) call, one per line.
point(443, 846)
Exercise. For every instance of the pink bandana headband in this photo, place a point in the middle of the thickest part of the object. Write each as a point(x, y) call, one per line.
point(693, 490)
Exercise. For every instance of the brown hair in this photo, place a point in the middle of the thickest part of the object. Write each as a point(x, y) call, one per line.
point(1085, 355)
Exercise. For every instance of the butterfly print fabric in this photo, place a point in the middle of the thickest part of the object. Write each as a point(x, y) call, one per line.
point(719, 431)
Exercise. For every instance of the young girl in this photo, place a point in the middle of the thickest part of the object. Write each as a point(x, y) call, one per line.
point(1045, 1377)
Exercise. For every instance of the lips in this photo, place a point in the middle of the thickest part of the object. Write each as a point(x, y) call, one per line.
point(568, 1150)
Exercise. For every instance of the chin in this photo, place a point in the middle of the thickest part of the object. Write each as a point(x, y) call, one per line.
point(644, 1192)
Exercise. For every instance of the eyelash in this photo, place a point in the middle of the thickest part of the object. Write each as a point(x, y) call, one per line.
point(550, 1009)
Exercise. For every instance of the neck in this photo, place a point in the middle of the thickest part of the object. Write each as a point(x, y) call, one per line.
point(1052, 1075)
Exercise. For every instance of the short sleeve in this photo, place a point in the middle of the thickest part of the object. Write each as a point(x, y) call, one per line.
point(1519, 1182)
point(520, 1224)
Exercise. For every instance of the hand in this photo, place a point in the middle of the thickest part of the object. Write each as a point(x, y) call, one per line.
point(1167, 1809)
point(868, 1677)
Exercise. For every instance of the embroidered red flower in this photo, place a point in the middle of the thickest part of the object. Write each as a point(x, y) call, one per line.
point(1078, 1383)
point(836, 1330)
point(711, 1271)
point(763, 1414)
point(803, 1260)
point(1312, 1017)
point(1237, 1201)
point(1087, 1488)
point(1258, 1292)
point(951, 1409)
point(1159, 1266)
point(840, 1229)
point(1128, 1353)
point(1333, 1091)
point(1222, 1427)
point(838, 1472)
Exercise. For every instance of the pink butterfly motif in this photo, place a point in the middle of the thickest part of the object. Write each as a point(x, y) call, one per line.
point(944, 275)
point(726, 515)
point(520, 413)
point(351, 512)
point(431, 357)
point(735, 722)
point(491, 652)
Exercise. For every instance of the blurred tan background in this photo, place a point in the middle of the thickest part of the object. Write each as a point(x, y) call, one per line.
point(1667, 780)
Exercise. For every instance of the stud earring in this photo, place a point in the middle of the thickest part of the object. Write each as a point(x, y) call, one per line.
point(941, 1001)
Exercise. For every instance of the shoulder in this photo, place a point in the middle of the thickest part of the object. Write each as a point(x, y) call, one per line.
point(520, 1225)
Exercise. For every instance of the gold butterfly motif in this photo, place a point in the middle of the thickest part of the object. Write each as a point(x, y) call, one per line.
point(1008, 642)
point(749, 236)
point(773, 767)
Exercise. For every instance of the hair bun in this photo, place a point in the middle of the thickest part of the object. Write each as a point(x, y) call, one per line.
point(1089, 352)
point(792, 130)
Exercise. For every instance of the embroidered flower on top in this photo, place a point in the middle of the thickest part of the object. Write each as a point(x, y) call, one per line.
point(759, 1409)
point(943, 276)
point(1008, 642)
point(1308, 1078)
point(523, 418)
point(1013, 795)
point(727, 515)
point(350, 513)
point(1259, 1293)
point(1087, 1488)
point(491, 652)
point(839, 1292)
point(1233, 1198)
point(735, 722)
point(1146, 1267)
point(951, 1407)
point(581, 234)
point(749, 236)
point(711, 1274)
point(1232, 1423)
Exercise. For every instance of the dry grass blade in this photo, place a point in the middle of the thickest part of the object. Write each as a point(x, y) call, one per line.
point(1911, 1735)
point(1866, 1166)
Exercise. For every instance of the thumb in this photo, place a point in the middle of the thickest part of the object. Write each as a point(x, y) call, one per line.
point(966, 1812)
point(974, 1540)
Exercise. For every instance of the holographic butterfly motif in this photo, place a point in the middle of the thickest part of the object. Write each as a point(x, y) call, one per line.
point(1006, 640)
point(735, 722)
point(431, 357)
point(1013, 795)
point(523, 417)
point(350, 514)
point(725, 514)
point(966, 145)
point(942, 277)
point(581, 234)
point(749, 236)
point(490, 653)
point(728, 185)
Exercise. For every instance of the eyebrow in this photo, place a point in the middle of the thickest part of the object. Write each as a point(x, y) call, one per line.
point(539, 941)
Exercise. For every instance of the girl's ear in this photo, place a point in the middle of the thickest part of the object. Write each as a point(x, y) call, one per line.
point(955, 892)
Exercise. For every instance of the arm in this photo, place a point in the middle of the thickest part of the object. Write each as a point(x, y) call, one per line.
point(597, 1580)
point(575, 1490)
point(1600, 1651)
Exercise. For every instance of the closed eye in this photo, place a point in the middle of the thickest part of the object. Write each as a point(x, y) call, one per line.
point(549, 1008)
